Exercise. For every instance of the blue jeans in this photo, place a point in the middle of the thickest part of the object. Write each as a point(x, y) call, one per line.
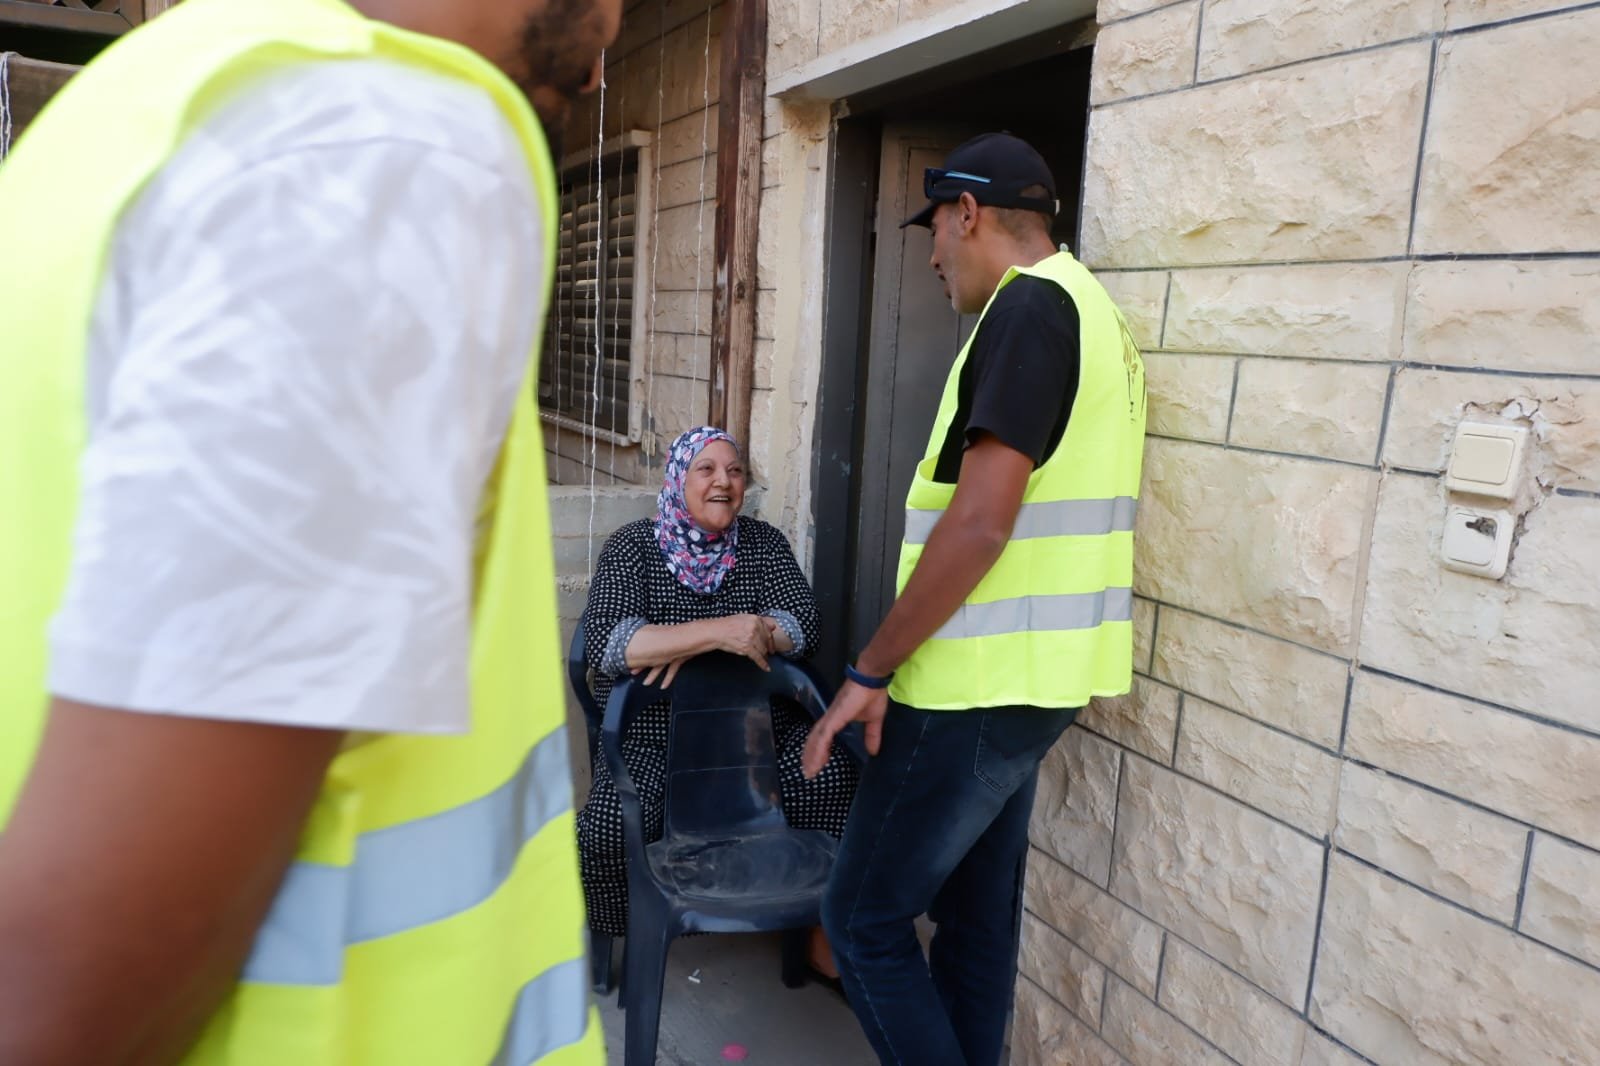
point(939, 826)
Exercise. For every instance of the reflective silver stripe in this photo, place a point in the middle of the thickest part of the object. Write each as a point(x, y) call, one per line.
point(1052, 518)
point(409, 874)
point(1039, 614)
point(552, 1011)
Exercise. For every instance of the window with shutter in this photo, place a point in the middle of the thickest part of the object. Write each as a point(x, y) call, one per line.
point(587, 368)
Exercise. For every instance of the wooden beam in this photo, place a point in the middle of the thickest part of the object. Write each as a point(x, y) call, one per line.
point(733, 296)
point(30, 84)
point(52, 16)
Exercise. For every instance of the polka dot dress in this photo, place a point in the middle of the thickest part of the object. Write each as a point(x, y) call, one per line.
point(631, 582)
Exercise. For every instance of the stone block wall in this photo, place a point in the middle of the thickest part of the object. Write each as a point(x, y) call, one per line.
point(1351, 810)
point(662, 77)
point(581, 519)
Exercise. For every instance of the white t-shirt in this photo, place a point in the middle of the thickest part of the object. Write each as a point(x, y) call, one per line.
point(302, 362)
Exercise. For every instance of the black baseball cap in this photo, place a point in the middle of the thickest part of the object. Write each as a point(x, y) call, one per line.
point(994, 168)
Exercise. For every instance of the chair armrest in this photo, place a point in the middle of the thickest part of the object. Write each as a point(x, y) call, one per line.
point(612, 725)
point(813, 694)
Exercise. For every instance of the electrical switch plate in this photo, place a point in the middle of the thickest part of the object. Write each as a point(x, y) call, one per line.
point(1478, 542)
point(1486, 459)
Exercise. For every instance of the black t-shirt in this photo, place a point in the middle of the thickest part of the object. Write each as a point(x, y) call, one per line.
point(1021, 375)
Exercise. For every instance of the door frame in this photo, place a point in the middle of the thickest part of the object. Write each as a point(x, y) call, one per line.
point(849, 295)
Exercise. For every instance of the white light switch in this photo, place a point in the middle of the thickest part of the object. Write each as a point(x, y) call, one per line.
point(1478, 542)
point(1486, 459)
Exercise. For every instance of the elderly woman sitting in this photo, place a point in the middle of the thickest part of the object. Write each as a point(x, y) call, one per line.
point(697, 577)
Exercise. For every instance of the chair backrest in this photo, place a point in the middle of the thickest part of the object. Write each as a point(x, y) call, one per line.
point(722, 762)
point(578, 675)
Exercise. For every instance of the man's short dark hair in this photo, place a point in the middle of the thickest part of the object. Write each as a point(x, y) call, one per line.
point(1019, 221)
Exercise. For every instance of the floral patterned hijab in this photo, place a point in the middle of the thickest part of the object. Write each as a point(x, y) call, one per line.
point(698, 558)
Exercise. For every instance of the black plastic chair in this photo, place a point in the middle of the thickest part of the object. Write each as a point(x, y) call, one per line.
point(600, 949)
point(727, 862)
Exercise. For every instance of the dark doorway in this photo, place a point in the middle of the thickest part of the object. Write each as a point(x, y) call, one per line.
point(889, 335)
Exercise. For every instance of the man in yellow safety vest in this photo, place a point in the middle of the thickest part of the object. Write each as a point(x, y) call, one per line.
point(1015, 607)
point(283, 776)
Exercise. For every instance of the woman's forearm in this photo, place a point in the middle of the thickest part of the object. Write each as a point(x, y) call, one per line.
point(655, 645)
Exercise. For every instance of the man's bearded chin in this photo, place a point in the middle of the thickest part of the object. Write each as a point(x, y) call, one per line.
point(554, 70)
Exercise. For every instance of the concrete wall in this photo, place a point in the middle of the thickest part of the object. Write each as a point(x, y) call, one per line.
point(1351, 811)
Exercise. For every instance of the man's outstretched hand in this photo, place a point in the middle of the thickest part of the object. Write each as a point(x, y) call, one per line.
point(854, 703)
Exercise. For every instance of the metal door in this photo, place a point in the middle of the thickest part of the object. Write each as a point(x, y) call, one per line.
point(913, 340)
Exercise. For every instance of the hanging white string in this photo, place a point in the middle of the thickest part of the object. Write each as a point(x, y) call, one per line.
point(597, 306)
point(700, 225)
point(5, 104)
point(655, 222)
point(615, 347)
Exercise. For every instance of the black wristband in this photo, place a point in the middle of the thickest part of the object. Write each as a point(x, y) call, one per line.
point(867, 680)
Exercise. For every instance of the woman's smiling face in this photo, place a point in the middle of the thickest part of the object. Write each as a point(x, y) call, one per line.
point(713, 488)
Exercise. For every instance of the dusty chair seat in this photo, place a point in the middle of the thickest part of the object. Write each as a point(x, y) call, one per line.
point(781, 869)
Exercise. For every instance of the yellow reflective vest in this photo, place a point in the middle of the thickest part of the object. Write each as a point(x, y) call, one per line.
point(1050, 625)
point(432, 914)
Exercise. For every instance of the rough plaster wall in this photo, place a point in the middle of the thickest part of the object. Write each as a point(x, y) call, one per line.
point(789, 278)
point(659, 80)
point(1351, 811)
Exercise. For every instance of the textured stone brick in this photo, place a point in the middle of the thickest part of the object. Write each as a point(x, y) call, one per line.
point(1189, 395)
point(1076, 804)
point(688, 182)
point(1142, 297)
point(677, 403)
point(1044, 1033)
point(687, 137)
point(1246, 35)
point(684, 256)
point(1333, 410)
point(676, 355)
point(1145, 720)
point(681, 312)
point(1279, 683)
point(1562, 907)
point(766, 314)
point(1265, 541)
point(1147, 55)
point(1144, 631)
point(1537, 773)
point(685, 75)
point(1278, 774)
point(916, 10)
point(845, 22)
point(1120, 938)
point(1563, 415)
point(1460, 852)
point(1321, 1051)
point(1111, 10)
point(1404, 978)
point(1526, 641)
point(578, 510)
point(1224, 877)
point(1459, 14)
point(1242, 1020)
point(1149, 1036)
point(1071, 976)
point(1327, 311)
point(1541, 316)
point(772, 162)
point(1513, 133)
point(1328, 173)
point(792, 34)
point(765, 363)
